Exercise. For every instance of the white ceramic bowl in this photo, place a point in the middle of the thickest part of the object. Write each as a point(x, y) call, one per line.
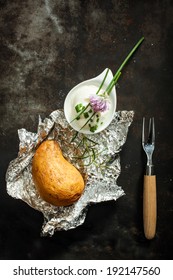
point(80, 93)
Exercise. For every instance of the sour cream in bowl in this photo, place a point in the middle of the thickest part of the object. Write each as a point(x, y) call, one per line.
point(89, 109)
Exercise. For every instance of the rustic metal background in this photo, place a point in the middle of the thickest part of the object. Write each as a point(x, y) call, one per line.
point(46, 48)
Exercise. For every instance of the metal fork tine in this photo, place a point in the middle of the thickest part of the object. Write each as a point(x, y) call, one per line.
point(143, 131)
point(153, 131)
point(150, 131)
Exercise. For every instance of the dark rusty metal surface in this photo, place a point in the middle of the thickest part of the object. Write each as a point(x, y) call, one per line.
point(47, 47)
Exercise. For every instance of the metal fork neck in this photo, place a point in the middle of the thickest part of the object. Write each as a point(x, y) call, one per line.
point(149, 170)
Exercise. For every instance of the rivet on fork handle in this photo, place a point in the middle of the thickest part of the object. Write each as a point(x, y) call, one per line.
point(149, 189)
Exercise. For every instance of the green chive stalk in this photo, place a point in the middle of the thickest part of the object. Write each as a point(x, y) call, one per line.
point(103, 81)
point(111, 85)
point(115, 79)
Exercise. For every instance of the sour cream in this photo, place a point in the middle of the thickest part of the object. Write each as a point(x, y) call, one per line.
point(81, 94)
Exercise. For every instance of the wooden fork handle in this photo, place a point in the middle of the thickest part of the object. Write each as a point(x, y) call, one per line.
point(149, 206)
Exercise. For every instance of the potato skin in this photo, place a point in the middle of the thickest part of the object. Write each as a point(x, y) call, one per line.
point(57, 181)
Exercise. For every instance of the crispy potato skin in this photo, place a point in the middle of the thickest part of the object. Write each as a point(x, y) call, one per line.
point(57, 181)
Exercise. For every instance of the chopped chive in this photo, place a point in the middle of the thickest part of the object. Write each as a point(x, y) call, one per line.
point(90, 111)
point(81, 112)
point(93, 128)
point(79, 107)
point(86, 115)
point(78, 118)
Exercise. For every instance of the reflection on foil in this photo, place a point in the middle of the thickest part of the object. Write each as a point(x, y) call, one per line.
point(102, 174)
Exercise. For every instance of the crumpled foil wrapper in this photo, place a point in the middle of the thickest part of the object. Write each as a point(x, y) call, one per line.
point(100, 176)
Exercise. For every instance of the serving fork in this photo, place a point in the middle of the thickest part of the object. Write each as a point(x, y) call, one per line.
point(149, 188)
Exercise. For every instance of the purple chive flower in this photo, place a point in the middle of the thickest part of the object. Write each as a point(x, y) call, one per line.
point(98, 103)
